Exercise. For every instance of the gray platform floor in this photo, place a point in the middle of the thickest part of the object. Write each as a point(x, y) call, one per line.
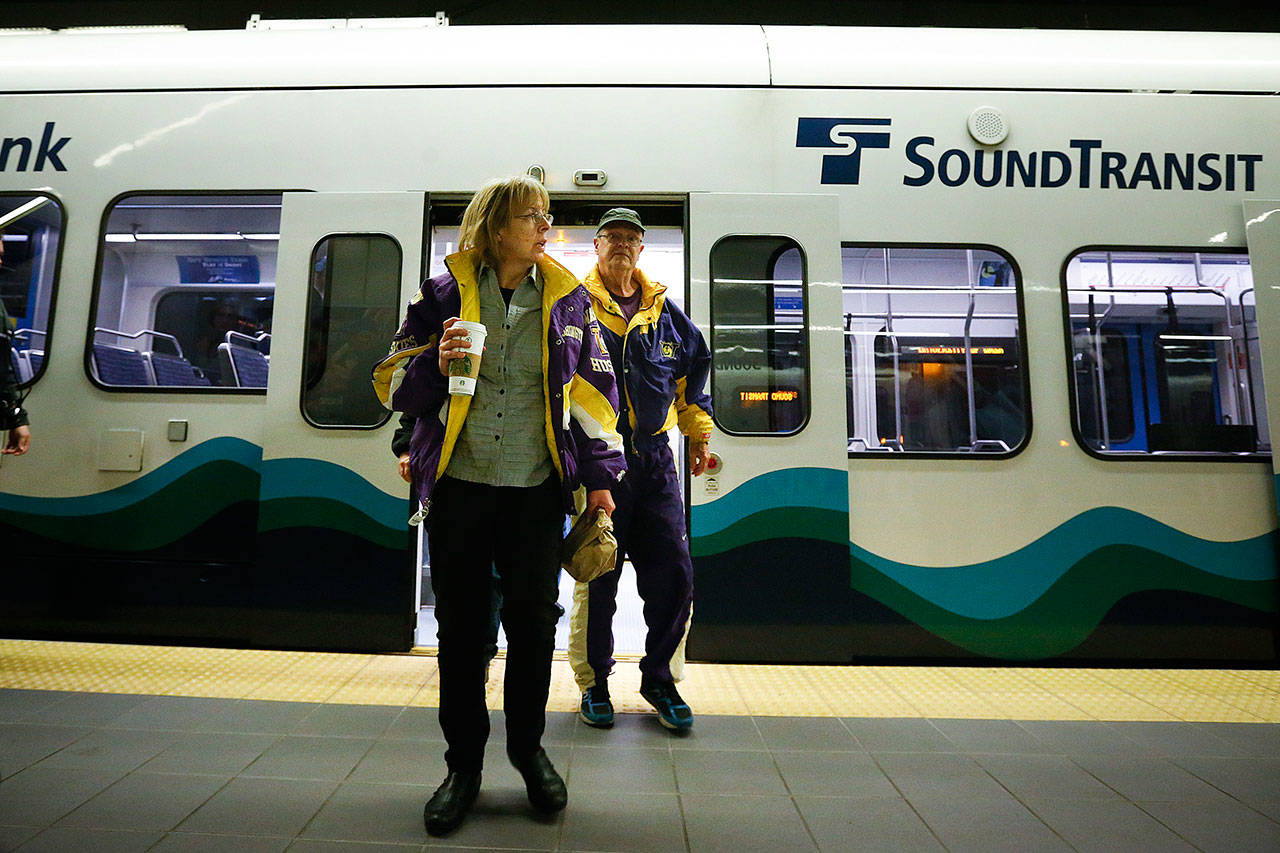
point(104, 772)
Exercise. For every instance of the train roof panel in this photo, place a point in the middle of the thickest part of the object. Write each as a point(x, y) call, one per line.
point(1024, 59)
point(879, 57)
point(458, 56)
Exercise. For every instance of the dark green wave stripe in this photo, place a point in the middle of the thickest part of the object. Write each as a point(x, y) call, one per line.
point(225, 450)
point(1071, 609)
point(291, 513)
point(157, 520)
point(778, 523)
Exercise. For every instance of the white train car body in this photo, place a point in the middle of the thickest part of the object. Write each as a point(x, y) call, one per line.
point(1000, 399)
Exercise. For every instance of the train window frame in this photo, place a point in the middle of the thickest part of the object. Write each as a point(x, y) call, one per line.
point(1028, 407)
point(805, 311)
point(1069, 354)
point(38, 374)
point(394, 306)
point(95, 291)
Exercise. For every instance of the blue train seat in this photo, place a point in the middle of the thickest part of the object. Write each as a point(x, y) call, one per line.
point(174, 370)
point(247, 367)
point(120, 366)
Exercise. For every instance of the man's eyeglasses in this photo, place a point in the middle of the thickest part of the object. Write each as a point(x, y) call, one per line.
point(617, 240)
point(534, 216)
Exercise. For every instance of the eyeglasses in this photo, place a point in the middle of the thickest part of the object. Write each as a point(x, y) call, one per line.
point(615, 240)
point(534, 216)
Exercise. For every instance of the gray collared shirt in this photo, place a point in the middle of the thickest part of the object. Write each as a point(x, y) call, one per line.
point(504, 439)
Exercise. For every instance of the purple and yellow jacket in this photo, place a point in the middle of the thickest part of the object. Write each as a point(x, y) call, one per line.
point(578, 382)
point(663, 359)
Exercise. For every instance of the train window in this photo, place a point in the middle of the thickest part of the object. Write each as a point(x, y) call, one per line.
point(759, 338)
point(30, 238)
point(352, 301)
point(1164, 349)
point(933, 350)
point(185, 293)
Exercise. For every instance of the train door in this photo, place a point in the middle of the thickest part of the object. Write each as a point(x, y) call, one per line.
point(332, 570)
point(769, 524)
point(1262, 226)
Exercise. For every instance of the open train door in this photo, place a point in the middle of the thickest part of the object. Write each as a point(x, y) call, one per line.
point(332, 570)
point(769, 523)
point(1262, 227)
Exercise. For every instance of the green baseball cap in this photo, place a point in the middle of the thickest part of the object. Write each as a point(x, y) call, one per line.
point(620, 214)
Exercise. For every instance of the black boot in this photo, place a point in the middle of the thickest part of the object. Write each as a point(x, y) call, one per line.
point(541, 781)
point(451, 802)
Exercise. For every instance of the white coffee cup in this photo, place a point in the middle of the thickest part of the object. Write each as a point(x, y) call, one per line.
point(464, 371)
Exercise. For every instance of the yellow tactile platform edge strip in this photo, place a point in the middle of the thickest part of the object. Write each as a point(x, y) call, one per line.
point(1020, 693)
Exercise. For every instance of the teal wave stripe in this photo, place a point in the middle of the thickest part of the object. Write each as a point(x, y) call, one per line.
point(998, 588)
point(295, 479)
point(811, 488)
point(225, 449)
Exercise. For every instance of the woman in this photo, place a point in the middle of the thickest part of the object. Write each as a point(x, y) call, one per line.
point(496, 472)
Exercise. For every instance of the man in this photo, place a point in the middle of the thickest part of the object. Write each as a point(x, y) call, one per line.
point(13, 419)
point(663, 364)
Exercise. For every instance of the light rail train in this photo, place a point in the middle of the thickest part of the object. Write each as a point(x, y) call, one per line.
point(995, 318)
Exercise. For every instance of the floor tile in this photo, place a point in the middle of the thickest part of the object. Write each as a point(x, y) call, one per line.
point(1259, 740)
point(416, 724)
point(1044, 777)
point(1229, 827)
point(615, 821)
point(1072, 737)
point(711, 732)
point(89, 709)
point(193, 842)
point(638, 731)
point(298, 757)
point(63, 839)
point(1247, 779)
point(157, 801)
point(595, 769)
point(1148, 779)
point(726, 772)
point(827, 734)
point(898, 735)
point(409, 762)
point(171, 713)
point(210, 753)
point(258, 716)
point(111, 749)
point(840, 825)
point(356, 721)
point(260, 807)
point(390, 814)
point(736, 823)
point(21, 705)
point(321, 845)
point(38, 796)
point(13, 836)
point(502, 818)
point(1175, 740)
point(1106, 826)
point(985, 825)
point(1002, 736)
point(939, 775)
point(834, 774)
point(24, 744)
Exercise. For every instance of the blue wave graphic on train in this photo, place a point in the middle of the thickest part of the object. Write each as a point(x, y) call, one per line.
point(1013, 582)
point(281, 479)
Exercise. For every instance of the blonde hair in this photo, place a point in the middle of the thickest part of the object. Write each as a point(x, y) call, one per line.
point(492, 207)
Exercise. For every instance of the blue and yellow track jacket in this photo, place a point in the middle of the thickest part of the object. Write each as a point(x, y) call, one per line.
point(662, 360)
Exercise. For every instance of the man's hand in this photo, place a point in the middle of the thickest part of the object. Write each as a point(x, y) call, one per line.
point(19, 441)
point(699, 457)
point(599, 499)
point(404, 468)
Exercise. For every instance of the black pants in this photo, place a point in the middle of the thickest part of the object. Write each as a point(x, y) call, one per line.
point(516, 531)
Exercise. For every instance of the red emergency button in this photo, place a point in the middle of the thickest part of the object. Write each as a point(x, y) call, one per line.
point(714, 463)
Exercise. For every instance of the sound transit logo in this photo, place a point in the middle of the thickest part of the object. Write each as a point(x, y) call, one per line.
point(850, 136)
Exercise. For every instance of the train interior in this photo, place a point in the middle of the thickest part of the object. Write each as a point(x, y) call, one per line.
point(30, 231)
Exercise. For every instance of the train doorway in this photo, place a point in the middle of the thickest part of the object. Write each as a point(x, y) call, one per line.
point(770, 523)
point(1262, 227)
point(331, 524)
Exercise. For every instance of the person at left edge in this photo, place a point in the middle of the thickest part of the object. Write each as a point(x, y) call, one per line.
point(496, 472)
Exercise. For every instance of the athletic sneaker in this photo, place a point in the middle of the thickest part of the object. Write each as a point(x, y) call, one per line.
point(596, 709)
point(673, 712)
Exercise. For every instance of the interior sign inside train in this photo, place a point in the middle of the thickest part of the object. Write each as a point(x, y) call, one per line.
point(1048, 280)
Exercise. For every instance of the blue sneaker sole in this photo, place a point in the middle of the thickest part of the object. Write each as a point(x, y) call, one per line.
point(596, 723)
